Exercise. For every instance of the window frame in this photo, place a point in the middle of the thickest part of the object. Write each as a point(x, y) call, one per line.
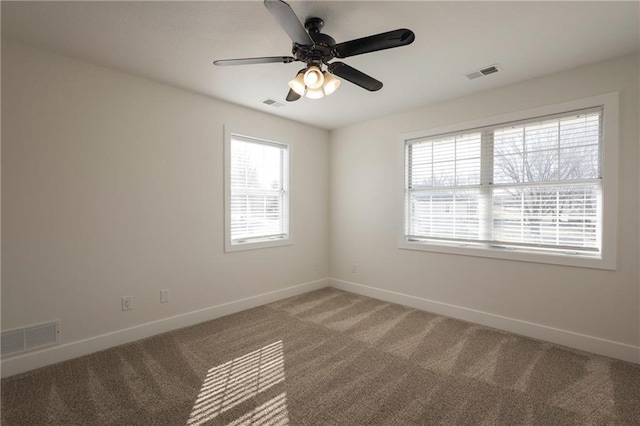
point(609, 165)
point(229, 245)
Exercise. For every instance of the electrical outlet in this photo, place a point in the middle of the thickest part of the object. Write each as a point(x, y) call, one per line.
point(164, 295)
point(354, 268)
point(127, 303)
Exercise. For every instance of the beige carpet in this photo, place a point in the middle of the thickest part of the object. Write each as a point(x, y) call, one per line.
point(329, 358)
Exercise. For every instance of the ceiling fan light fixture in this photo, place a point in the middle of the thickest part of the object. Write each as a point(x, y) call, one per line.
point(297, 84)
point(315, 93)
point(313, 77)
point(331, 84)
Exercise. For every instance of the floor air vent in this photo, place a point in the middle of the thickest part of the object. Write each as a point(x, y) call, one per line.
point(29, 338)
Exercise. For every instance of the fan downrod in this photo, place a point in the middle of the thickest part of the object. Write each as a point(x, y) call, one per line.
point(313, 25)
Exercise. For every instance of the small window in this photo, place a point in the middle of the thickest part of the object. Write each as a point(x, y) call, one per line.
point(529, 189)
point(257, 193)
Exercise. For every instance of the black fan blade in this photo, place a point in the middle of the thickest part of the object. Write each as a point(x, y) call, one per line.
point(263, 60)
point(373, 43)
point(292, 96)
point(356, 77)
point(289, 22)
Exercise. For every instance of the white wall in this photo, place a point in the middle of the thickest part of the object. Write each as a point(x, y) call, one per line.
point(364, 218)
point(112, 185)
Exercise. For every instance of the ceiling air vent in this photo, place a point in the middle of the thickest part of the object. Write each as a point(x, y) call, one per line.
point(484, 71)
point(273, 103)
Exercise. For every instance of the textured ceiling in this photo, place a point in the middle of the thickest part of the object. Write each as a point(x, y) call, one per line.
point(176, 42)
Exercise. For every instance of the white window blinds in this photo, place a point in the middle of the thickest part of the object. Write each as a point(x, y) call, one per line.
point(547, 183)
point(530, 185)
point(443, 176)
point(258, 190)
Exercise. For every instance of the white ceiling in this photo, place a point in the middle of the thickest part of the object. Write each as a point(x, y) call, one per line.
point(176, 42)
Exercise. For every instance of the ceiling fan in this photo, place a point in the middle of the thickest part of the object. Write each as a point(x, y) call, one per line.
point(316, 50)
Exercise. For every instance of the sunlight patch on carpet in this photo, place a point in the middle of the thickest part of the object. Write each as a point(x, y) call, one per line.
point(272, 413)
point(230, 384)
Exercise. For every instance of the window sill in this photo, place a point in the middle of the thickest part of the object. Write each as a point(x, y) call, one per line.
point(254, 245)
point(517, 255)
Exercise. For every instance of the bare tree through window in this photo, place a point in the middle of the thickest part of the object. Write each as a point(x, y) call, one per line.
point(530, 184)
point(549, 165)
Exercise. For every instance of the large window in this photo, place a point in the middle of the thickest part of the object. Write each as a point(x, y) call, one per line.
point(257, 193)
point(528, 189)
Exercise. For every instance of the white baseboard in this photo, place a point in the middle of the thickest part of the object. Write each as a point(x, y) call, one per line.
point(51, 355)
point(583, 342)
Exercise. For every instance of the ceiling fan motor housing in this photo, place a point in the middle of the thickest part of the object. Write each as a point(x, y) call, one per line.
point(323, 49)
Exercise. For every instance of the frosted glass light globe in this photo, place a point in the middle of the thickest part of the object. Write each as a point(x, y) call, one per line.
point(313, 77)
